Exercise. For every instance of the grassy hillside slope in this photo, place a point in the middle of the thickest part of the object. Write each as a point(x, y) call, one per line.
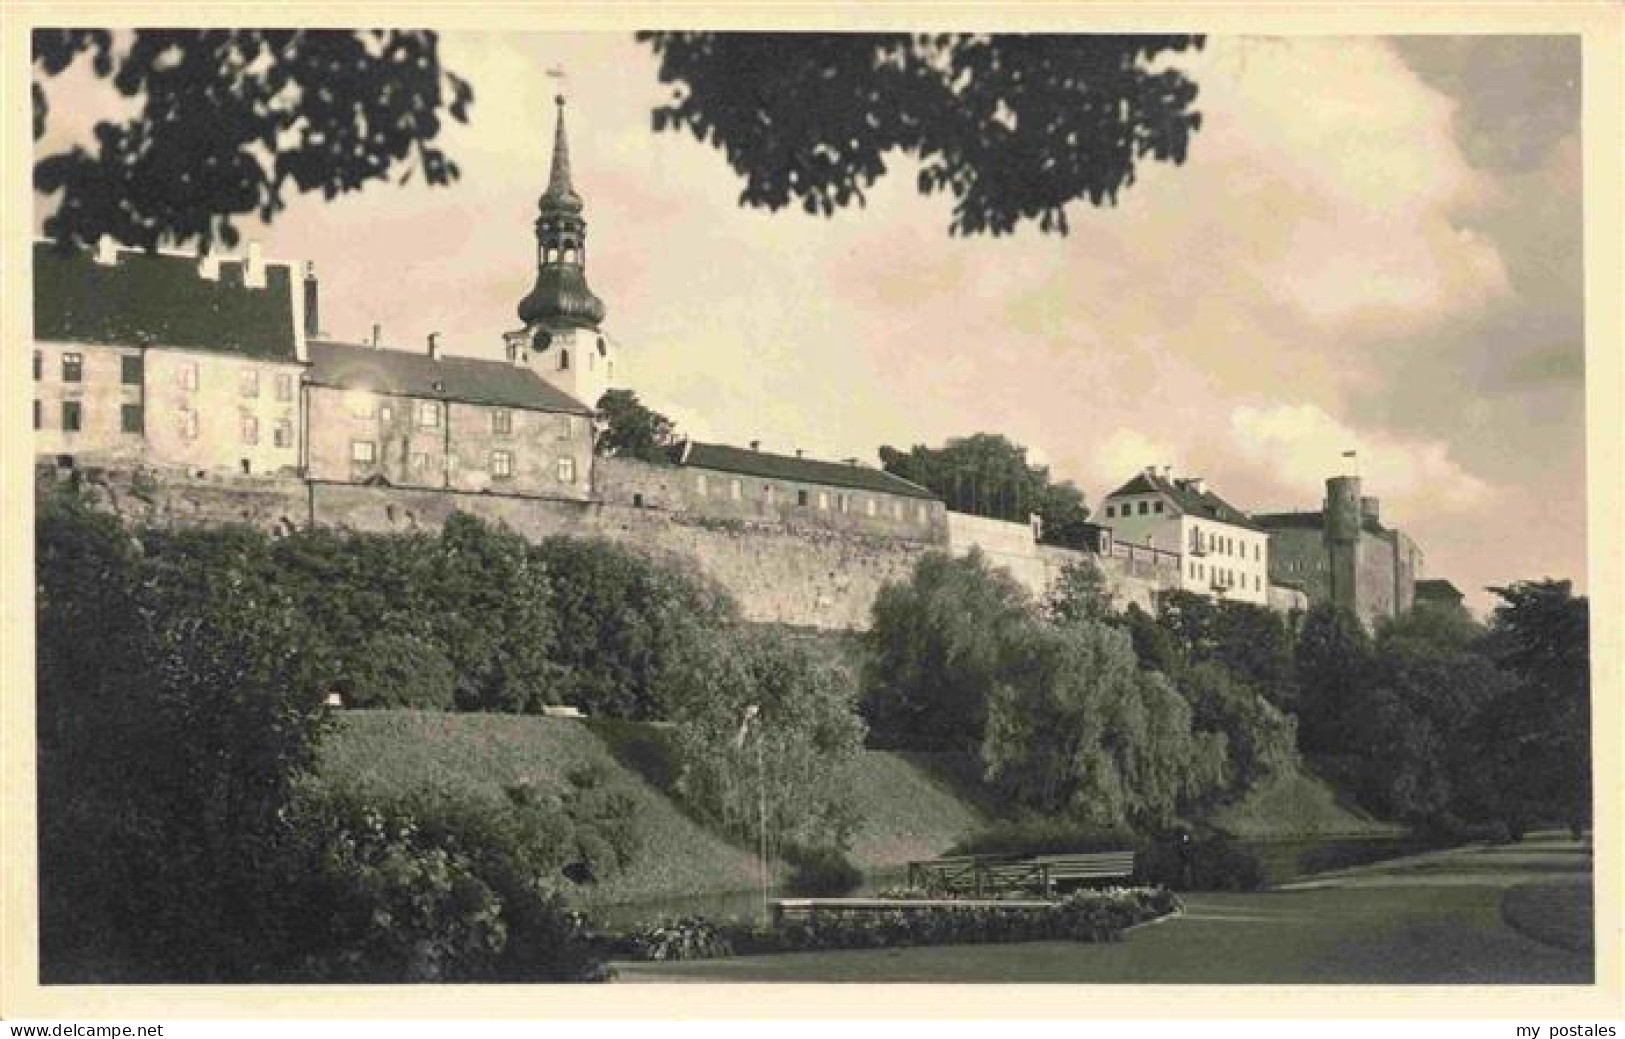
point(1296, 803)
point(388, 751)
point(914, 805)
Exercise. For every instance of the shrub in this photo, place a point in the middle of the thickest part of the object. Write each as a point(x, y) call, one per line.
point(400, 670)
point(433, 889)
point(1090, 916)
point(687, 938)
point(623, 619)
point(1212, 863)
point(821, 871)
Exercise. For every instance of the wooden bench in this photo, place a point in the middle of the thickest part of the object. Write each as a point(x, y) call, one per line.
point(1089, 868)
point(805, 908)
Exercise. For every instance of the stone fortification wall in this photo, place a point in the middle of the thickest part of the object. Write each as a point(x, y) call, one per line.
point(1135, 580)
point(805, 577)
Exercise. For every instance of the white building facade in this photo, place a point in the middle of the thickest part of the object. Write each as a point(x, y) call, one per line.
point(1223, 553)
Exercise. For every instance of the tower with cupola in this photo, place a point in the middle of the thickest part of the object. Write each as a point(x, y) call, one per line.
point(561, 338)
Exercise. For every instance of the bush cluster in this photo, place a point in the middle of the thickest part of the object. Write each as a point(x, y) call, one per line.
point(1211, 863)
point(1091, 916)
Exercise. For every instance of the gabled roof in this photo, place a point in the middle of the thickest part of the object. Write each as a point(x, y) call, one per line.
point(770, 466)
point(1203, 505)
point(158, 299)
point(404, 374)
point(1438, 588)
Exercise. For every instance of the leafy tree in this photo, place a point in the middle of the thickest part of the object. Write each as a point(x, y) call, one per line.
point(1014, 126)
point(174, 733)
point(1539, 732)
point(1078, 593)
point(229, 119)
point(793, 757)
point(1259, 740)
point(623, 621)
point(988, 475)
point(401, 670)
point(633, 430)
point(1333, 666)
point(1075, 727)
point(1252, 642)
point(937, 645)
point(1154, 646)
point(494, 619)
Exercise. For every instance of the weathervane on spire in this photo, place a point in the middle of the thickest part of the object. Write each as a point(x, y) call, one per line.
point(557, 72)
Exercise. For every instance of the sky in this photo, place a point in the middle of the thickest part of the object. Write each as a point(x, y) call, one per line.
point(1374, 245)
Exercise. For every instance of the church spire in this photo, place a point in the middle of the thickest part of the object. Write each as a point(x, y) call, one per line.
point(561, 194)
point(560, 297)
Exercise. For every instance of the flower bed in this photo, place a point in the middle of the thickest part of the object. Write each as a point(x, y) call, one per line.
point(1088, 916)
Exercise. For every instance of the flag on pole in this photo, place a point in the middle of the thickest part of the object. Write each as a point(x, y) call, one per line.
point(1349, 454)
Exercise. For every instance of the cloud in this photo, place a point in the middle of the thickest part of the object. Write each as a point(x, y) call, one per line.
point(1299, 445)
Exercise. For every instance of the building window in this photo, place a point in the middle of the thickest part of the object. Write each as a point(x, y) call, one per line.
point(72, 416)
point(428, 414)
point(386, 413)
point(189, 375)
point(1145, 507)
point(130, 418)
point(73, 367)
point(801, 498)
point(36, 409)
point(736, 490)
point(701, 484)
point(567, 427)
point(1109, 512)
point(39, 366)
point(130, 366)
point(420, 461)
point(284, 386)
point(502, 464)
point(249, 382)
point(189, 425)
point(362, 452)
point(1258, 552)
point(282, 436)
point(823, 500)
point(869, 506)
point(564, 360)
point(840, 502)
point(251, 429)
point(502, 421)
point(1156, 507)
point(567, 470)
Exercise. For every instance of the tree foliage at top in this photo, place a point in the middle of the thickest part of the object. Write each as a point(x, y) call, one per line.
point(633, 429)
point(1539, 732)
point(1013, 127)
point(987, 474)
point(229, 119)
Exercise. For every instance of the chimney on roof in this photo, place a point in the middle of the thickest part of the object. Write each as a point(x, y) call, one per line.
point(312, 301)
point(1167, 472)
point(1151, 471)
point(850, 461)
point(377, 331)
point(434, 346)
point(798, 452)
point(755, 445)
point(106, 251)
point(254, 267)
point(1196, 484)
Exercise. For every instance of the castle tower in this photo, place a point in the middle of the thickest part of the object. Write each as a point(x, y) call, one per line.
point(1342, 533)
point(561, 340)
